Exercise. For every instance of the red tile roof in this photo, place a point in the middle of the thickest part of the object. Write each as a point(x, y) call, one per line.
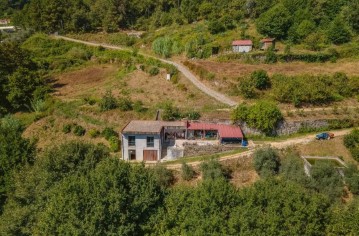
point(225, 131)
point(246, 42)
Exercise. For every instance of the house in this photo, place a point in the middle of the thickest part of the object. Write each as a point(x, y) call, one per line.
point(145, 140)
point(152, 140)
point(267, 43)
point(242, 45)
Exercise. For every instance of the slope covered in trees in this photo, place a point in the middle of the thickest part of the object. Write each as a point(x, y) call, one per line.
point(78, 188)
point(283, 19)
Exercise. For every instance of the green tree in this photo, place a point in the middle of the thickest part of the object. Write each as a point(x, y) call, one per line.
point(305, 28)
point(261, 79)
point(326, 179)
point(264, 115)
point(215, 27)
point(275, 22)
point(266, 161)
point(33, 186)
point(212, 170)
point(278, 207)
point(15, 152)
point(114, 198)
point(339, 32)
point(351, 175)
point(344, 219)
point(247, 88)
point(25, 86)
point(203, 210)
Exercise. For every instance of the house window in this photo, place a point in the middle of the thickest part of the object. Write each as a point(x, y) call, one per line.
point(131, 141)
point(150, 141)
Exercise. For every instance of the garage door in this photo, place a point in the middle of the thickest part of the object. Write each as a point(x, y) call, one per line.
point(150, 155)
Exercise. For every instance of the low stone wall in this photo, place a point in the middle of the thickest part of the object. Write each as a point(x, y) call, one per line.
point(199, 150)
point(287, 127)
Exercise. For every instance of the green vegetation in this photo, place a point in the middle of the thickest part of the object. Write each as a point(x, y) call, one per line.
point(15, 152)
point(187, 172)
point(82, 181)
point(308, 89)
point(198, 28)
point(266, 162)
point(299, 90)
point(351, 141)
point(264, 116)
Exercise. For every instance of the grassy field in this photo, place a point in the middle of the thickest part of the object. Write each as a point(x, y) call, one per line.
point(333, 147)
point(82, 75)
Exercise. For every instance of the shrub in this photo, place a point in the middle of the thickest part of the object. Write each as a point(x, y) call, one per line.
point(216, 27)
point(187, 172)
point(94, 133)
point(90, 101)
point(170, 112)
point(138, 106)
point(261, 79)
point(247, 88)
point(266, 161)
point(326, 179)
point(163, 46)
point(271, 57)
point(125, 104)
point(108, 102)
point(193, 115)
point(212, 170)
point(351, 141)
point(352, 178)
point(114, 143)
point(67, 128)
point(107, 133)
point(154, 71)
point(79, 130)
point(163, 176)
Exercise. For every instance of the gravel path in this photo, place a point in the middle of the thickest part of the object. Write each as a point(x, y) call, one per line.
point(188, 74)
point(278, 145)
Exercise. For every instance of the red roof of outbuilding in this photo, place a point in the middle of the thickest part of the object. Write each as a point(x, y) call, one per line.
point(225, 131)
point(246, 42)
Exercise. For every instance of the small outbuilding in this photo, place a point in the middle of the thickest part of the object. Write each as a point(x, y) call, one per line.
point(242, 45)
point(267, 43)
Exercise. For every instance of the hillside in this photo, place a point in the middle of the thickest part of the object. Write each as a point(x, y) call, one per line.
point(144, 117)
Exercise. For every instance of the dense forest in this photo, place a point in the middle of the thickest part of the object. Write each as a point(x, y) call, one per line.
point(282, 19)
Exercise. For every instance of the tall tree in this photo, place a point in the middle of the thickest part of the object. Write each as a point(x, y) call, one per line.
point(275, 22)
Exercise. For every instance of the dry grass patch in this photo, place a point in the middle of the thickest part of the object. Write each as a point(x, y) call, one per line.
point(236, 69)
point(333, 147)
point(78, 83)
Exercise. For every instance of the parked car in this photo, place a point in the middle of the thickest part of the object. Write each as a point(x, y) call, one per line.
point(323, 136)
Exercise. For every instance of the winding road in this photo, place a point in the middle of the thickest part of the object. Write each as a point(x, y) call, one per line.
point(187, 73)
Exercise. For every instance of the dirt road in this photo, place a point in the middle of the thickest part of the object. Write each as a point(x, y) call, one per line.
point(188, 74)
point(278, 145)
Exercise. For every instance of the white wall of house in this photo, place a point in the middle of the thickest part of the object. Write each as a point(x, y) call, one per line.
point(141, 145)
point(242, 48)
